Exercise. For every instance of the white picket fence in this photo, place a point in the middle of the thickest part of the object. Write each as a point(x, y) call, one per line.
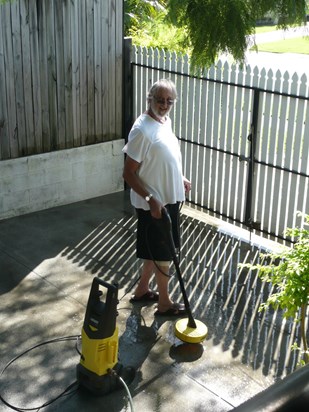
point(214, 115)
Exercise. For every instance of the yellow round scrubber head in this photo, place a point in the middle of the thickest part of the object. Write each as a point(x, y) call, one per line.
point(188, 334)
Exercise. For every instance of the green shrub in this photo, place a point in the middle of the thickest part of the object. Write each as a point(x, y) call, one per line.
point(288, 272)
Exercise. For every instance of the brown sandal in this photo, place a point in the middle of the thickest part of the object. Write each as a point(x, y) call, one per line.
point(150, 296)
point(177, 309)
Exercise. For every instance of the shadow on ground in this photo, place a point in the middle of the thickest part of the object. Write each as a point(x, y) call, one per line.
point(48, 260)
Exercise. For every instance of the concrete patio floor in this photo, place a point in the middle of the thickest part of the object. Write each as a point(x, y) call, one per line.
point(48, 260)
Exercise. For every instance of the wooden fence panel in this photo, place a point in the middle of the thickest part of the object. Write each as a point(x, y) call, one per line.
point(60, 74)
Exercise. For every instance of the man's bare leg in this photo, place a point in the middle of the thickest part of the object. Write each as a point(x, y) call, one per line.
point(162, 280)
point(146, 275)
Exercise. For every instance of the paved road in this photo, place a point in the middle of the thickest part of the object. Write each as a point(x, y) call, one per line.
point(291, 62)
point(281, 34)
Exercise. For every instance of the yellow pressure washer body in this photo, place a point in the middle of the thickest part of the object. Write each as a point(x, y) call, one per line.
point(99, 369)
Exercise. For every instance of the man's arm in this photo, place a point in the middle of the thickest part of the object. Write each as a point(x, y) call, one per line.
point(130, 176)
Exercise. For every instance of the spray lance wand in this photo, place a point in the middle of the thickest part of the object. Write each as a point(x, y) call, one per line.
point(188, 330)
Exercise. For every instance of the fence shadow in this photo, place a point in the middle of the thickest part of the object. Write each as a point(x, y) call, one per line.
point(227, 298)
point(221, 294)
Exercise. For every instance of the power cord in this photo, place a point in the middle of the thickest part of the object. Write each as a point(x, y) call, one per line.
point(128, 393)
point(69, 390)
point(66, 392)
point(114, 373)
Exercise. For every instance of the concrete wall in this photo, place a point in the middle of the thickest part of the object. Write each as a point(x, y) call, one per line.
point(43, 181)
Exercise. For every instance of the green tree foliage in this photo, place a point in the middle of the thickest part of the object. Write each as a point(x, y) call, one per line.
point(216, 26)
point(205, 27)
point(146, 23)
point(137, 13)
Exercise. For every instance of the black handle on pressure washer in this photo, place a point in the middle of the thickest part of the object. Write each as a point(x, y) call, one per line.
point(100, 317)
point(165, 225)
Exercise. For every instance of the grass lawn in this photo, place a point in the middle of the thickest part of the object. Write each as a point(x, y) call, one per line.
point(265, 29)
point(295, 45)
point(269, 28)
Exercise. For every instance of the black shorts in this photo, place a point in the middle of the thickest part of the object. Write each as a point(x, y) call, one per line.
point(153, 235)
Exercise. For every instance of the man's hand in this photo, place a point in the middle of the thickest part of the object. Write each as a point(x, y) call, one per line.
point(187, 184)
point(155, 208)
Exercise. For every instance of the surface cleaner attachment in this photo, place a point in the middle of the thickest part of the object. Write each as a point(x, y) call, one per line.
point(99, 369)
point(188, 329)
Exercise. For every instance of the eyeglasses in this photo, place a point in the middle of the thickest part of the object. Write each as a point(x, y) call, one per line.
point(169, 102)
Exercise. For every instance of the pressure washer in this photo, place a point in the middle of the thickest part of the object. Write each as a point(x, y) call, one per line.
point(99, 370)
point(188, 330)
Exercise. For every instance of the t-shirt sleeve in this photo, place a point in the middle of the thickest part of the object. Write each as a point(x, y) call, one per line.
point(137, 146)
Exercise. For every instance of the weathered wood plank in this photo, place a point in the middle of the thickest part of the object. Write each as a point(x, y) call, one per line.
point(82, 33)
point(98, 95)
point(17, 71)
point(90, 35)
point(51, 74)
point(35, 77)
point(118, 11)
point(26, 78)
point(111, 69)
point(105, 68)
point(4, 115)
point(60, 74)
point(68, 12)
point(43, 67)
point(76, 86)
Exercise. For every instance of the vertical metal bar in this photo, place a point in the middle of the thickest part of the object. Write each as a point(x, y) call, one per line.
point(252, 138)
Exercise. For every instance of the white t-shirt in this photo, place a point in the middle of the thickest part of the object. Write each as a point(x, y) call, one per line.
point(156, 148)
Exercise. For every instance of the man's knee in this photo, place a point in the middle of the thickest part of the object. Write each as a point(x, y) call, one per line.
point(163, 263)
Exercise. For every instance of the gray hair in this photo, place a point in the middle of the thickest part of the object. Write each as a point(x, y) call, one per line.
point(165, 84)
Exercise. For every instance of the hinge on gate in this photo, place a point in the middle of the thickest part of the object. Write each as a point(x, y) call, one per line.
point(253, 225)
point(243, 158)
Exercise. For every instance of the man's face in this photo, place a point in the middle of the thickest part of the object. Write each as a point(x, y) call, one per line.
point(162, 103)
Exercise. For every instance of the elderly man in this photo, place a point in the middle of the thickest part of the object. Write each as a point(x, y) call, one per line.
point(153, 170)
